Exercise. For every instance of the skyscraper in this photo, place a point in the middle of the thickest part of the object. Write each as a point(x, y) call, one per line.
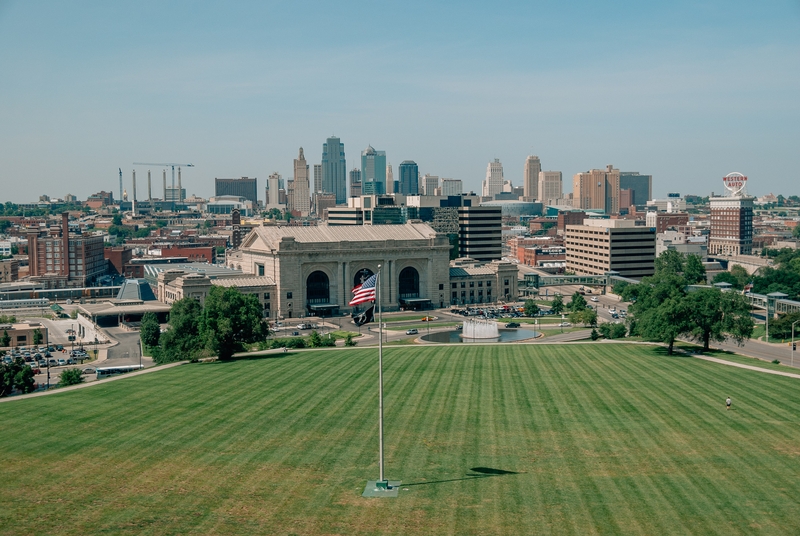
point(317, 178)
point(530, 182)
point(409, 178)
point(597, 189)
point(334, 169)
point(355, 182)
point(373, 171)
point(550, 187)
point(429, 184)
point(493, 184)
point(642, 186)
point(244, 187)
point(302, 198)
point(390, 180)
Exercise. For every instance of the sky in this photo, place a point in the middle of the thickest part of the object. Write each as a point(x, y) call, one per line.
point(686, 91)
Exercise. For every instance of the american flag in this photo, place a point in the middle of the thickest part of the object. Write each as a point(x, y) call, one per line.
point(365, 291)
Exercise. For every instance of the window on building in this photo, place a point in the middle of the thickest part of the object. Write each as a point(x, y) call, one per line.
point(260, 269)
point(441, 286)
point(454, 285)
point(488, 283)
point(463, 284)
point(288, 295)
point(266, 295)
point(480, 284)
point(472, 284)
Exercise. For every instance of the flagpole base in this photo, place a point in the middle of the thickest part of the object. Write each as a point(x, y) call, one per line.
point(382, 488)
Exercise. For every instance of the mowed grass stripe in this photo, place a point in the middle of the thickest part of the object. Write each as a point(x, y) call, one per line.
point(605, 438)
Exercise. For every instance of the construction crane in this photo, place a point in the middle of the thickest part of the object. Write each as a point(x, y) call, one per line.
point(120, 185)
point(171, 165)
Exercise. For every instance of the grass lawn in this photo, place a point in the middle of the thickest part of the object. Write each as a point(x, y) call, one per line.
point(503, 439)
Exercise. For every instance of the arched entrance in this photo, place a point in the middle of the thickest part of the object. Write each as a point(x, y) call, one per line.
point(409, 283)
point(361, 276)
point(317, 288)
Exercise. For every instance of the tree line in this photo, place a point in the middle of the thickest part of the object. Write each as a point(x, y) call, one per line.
point(665, 308)
point(221, 327)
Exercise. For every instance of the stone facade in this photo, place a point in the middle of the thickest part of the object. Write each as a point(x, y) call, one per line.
point(316, 268)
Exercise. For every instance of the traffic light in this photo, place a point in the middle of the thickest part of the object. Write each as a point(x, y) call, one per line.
point(794, 346)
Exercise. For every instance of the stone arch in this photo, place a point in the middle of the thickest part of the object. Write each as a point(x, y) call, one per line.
point(408, 283)
point(318, 288)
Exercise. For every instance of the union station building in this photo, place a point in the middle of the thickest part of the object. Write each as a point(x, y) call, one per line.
point(316, 268)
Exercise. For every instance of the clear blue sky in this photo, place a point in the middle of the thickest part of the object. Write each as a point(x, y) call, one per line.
point(685, 91)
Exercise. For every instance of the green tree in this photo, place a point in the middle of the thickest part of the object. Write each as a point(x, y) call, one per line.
point(586, 316)
point(70, 377)
point(578, 302)
point(231, 319)
point(530, 308)
point(116, 220)
point(37, 336)
point(348, 340)
point(315, 341)
point(741, 275)
point(796, 231)
point(727, 277)
point(182, 339)
point(659, 313)
point(716, 315)
point(5, 340)
point(150, 330)
point(24, 380)
point(693, 271)
point(557, 305)
point(670, 261)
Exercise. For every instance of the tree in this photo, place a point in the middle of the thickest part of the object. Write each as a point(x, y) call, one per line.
point(613, 330)
point(37, 336)
point(670, 261)
point(116, 220)
point(231, 319)
point(182, 339)
point(796, 231)
point(5, 340)
point(348, 340)
point(586, 316)
point(24, 380)
point(557, 305)
point(70, 377)
point(659, 313)
point(530, 308)
point(150, 330)
point(727, 277)
point(716, 315)
point(694, 271)
point(578, 302)
point(315, 341)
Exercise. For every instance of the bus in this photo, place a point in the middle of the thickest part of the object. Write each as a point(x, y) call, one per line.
point(105, 372)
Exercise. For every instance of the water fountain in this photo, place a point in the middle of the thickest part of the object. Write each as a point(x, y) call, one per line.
point(480, 329)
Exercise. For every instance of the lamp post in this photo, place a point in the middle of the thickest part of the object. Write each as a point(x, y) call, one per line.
point(793, 323)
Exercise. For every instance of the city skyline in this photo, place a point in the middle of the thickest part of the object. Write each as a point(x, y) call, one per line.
point(684, 93)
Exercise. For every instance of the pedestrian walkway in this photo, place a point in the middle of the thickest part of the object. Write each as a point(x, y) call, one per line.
point(749, 367)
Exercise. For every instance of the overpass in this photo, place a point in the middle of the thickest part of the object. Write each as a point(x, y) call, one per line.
point(532, 282)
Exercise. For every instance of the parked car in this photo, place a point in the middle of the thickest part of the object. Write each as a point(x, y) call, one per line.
point(62, 362)
point(594, 299)
point(512, 325)
point(35, 369)
point(59, 347)
point(70, 361)
point(412, 331)
point(52, 362)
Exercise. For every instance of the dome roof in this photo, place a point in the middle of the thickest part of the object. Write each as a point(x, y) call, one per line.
point(369, 150)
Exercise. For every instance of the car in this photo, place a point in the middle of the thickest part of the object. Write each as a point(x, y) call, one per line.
point(564, 324)
point(52, 362)
point(35, 369)
point(59, 347)
point(42, 363)
point(8, 359)
point(88, 370)
point(295, 333)
point(427, 318)
point(412, 331)
point(62, 362)
point(70, 361)
point(512, 325)
point(594, 299)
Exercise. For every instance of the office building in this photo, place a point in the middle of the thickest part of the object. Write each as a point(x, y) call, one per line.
point(244, 187)
point(409, 178)
point(334, 169)
point(493, 184)
point(597, 247)
point(550, 187)
point(731, 226)
point(317, 177)
point(355, 182)
point(173, 194)
point(641, 186)
point(301, 201)
point(59, 258)
point(429, 184)
point(451, 187)
point(530, 184)
point(373, 171)
point(480, 232)
point(597, 189)
point(390, 182)
point(273, 197)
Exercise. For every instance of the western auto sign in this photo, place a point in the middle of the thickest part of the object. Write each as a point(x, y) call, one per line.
point(734, 182)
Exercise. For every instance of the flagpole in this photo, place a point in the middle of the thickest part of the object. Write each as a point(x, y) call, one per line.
point(380, 373)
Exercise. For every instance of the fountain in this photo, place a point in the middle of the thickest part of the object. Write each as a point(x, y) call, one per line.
point(480, 329)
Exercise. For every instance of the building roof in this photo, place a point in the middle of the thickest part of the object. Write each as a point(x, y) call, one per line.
point(136, 289)
point(260, 281)
point(272, 236)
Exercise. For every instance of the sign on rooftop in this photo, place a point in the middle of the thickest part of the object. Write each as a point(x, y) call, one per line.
point(734, 183)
